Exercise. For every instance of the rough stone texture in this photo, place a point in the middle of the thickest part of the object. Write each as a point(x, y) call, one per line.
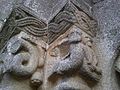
point(55, 54)
point(107, 14)
point(45, 10)
point(5, 10)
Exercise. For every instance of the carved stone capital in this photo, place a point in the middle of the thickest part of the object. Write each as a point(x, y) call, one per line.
point(55, 55)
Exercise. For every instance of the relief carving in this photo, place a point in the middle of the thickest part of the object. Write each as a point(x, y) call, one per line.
point(79, 61)
point(90, 62)
point(26, 57)
point(86, 23)
point(59, 55)
point(60, 24)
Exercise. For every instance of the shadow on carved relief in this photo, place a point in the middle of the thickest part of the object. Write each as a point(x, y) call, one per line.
point(57, 56)
point(116, 65)
point(21, 51)
point(80, 60)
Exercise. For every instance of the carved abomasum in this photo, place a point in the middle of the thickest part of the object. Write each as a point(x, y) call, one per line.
point(67, 39)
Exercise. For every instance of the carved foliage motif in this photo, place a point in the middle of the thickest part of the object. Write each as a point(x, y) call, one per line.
point(74, 52)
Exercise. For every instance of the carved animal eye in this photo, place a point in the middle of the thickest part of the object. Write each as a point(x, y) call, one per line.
point(24, 63)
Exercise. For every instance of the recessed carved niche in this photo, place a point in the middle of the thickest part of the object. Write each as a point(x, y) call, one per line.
point(59, 55)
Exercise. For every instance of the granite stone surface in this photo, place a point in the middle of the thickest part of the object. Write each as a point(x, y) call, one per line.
point(107, 45)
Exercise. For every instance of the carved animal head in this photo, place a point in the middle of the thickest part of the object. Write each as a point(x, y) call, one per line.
point(75, 36)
